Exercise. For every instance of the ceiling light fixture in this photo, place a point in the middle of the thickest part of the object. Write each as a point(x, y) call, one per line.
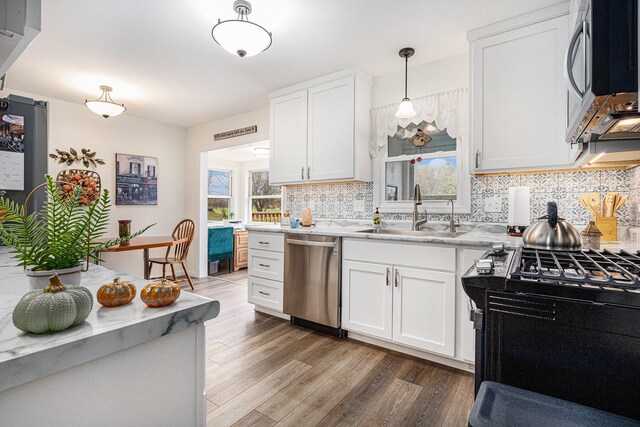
point(240, 36)
point(405, 109)
point(104, 105)
point(261, 151)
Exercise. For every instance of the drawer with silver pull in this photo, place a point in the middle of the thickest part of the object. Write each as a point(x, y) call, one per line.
point(265, 293)
point(267, 265)
point(266, 241)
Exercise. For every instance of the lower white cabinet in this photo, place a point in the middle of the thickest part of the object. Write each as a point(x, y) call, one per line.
point(367, 298)
point(266, 293)
point(266, 270)
point(424, 309)
point(409, 306)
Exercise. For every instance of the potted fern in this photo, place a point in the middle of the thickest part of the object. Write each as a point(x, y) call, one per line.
point(60, 237)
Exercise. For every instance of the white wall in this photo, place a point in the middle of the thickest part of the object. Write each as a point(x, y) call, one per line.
point(73, 125)
point(424, 79)
point(199, 142)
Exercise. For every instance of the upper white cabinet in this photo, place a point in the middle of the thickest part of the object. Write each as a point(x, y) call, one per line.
point(288, 126)
point(320, 130)
point(519, 98)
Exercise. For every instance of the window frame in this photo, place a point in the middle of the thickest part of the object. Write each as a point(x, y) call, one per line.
point(461, 205)
point(229, 197)
point(250, 195)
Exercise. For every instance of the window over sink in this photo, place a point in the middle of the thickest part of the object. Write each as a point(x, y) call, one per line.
point(425, 155)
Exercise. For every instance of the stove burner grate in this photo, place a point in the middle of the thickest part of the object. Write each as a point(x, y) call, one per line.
point(600, 269)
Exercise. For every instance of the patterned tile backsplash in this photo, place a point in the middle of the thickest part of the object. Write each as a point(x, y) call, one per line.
point(355, 200)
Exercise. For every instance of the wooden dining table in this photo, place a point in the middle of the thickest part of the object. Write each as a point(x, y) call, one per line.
point(145, 243)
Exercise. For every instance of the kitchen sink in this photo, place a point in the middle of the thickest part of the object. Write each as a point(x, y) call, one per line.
point(425, 233)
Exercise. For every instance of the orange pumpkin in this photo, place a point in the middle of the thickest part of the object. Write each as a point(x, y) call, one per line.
point(116, 293)
point(160, 293)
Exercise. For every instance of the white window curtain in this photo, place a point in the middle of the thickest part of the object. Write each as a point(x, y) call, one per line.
point(449, 110)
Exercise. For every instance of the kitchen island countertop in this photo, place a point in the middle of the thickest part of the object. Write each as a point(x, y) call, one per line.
point(27, 357)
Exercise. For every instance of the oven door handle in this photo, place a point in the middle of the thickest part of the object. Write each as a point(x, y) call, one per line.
point(472, 309)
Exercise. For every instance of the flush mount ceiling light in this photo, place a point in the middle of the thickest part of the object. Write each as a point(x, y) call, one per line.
point(240, 36)
point(261, 151)
point(405, 109)
point(104, 105)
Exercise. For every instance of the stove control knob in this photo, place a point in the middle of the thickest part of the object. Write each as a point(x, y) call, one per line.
point(484, 266)
point(498, 247)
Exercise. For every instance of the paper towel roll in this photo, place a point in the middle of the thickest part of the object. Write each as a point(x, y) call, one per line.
point(519, 206)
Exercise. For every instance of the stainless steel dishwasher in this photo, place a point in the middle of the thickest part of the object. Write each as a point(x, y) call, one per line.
point(312, 282)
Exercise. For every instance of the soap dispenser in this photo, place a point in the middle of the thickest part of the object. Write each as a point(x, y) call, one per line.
point(377, 219)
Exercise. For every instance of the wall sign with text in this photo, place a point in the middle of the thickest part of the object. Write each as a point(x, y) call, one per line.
point(236, 132)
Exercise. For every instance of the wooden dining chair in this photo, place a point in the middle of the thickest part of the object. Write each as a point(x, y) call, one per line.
point(184, 232)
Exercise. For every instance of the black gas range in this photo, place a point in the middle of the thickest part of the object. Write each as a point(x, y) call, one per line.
point(564, 324)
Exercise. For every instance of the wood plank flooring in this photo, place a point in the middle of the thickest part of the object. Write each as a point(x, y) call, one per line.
point(262, 371)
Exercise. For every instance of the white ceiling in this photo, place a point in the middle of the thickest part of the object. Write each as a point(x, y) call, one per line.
point(163, 64)
point(239, 154)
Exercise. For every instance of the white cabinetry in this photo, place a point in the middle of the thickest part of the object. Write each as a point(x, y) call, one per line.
point(320, 130)
point(411, 305)
point(367, 298)
point(519, 98)
point(266, 271)
point(424, 309)
point(288, 126)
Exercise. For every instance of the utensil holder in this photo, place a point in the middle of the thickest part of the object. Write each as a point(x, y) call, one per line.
point(608, 225)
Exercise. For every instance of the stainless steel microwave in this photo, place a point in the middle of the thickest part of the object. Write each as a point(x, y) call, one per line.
point(602, 71)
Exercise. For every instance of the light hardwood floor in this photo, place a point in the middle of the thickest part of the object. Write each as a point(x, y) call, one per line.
point(262, 371)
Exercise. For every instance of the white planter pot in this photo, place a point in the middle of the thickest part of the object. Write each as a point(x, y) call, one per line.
point(40, 279)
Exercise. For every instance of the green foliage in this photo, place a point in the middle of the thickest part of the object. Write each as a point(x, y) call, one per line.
point(61, 234)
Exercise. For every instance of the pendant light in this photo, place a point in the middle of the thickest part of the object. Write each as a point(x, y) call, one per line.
point(240, 36)
point(104, 105)
point(405, 109)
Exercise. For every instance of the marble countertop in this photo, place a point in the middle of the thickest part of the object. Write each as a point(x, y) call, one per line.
point(26, 357)
point(477, 234)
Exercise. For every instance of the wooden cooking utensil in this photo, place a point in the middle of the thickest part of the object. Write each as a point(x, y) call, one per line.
point(593, 200)
point(619, 203)
point(608, 204)
point(585, 202)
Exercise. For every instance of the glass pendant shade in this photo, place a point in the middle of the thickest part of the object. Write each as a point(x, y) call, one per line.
point(104, 105)
point(241, 37)
point(405, 110)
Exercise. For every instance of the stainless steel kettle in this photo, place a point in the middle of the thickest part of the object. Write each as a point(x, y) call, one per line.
point(552, 233)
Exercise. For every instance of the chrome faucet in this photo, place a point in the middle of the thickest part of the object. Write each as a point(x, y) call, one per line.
point(417, 200)
point(453, 224)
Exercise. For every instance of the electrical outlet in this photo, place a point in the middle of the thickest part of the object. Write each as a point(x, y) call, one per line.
point(493, 204)
point(358, 205)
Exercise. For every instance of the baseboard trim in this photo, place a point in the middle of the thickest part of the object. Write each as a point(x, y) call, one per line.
point(458, 364)
point(272, 312)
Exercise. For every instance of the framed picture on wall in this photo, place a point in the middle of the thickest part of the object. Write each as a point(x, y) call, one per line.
point(392, 193)
point(136, 180)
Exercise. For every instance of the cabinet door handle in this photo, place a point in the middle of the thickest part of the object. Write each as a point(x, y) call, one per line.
point(308, 172)
point(264, 243)
point(264, 293)
point(264, 265)
point(388, 275)
point(302, 173)
point(477, 159)
point(396, 278)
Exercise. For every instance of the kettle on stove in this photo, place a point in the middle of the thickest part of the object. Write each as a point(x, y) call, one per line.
point(552, 233)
